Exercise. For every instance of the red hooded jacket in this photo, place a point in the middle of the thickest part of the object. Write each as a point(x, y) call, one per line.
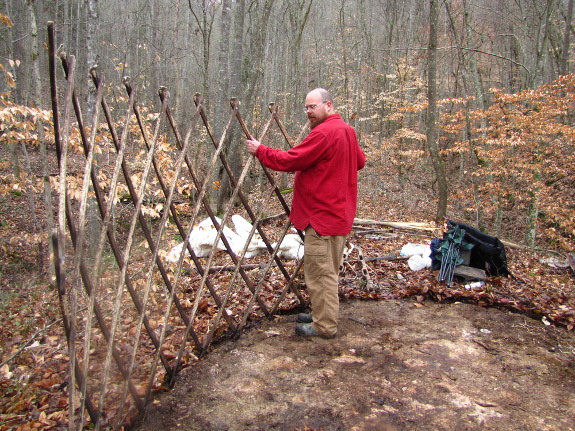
point(325, 185)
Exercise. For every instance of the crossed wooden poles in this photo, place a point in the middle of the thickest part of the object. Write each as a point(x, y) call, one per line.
point(72, 279)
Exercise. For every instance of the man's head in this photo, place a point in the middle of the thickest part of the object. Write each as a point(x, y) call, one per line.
point(318, 106)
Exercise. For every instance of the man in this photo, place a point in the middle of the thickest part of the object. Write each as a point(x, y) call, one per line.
point(324, 203)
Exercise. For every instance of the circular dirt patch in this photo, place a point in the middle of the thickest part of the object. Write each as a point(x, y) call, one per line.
point(395, 365)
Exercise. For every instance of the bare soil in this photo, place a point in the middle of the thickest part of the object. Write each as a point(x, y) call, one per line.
point(395, 365)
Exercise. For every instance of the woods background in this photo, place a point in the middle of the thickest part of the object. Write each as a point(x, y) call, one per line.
point(465, 110)
point(447, 97)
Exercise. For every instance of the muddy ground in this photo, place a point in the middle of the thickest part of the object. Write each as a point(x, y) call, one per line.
point(395, 365)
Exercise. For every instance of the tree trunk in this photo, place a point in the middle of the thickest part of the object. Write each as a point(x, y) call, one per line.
point(11, 81)
point(432, 127)
point(37, 100)
point(204, 23)
point(91, 50)
point(566, 34)
point(258, 44)
point(236, 86)
point(343, 31)
point(48, 208)
point(479, 103)
point(35, 56)
point(223, 95)
point(92, 24)
point(533, 213)
point(237, 50)
point(154, 49)
point(542, 39)
point(298, 13)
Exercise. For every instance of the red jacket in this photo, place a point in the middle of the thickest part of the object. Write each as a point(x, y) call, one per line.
point(325, 184)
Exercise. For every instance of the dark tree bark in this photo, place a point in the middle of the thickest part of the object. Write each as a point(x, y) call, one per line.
point(91, 49)
point(432, 126)
point(35, 56)
point(566, 36)
point(236, 90)
point(222, 107)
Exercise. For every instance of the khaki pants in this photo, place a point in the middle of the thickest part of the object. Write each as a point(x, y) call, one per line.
point(322, 257)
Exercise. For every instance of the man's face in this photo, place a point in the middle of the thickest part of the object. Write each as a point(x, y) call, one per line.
point(316, 109)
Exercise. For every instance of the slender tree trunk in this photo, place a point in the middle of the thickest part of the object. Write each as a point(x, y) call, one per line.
point(298, 13)
point(92, 18)
point(566, 34)
point(12, 54)
point(67, 31)
point(543, 33)
point(176, 69)
point(35, 56)
point(30, 197)
point(47, 202)
point(477, 86)
point(343, 31)
point(237, 50)
point(35, 95)
point(236, 86)
point(75, 29)
point(222, 107)
point(12, 82)
point(204, 23)
point(533, 213)
point(91, 49)
point(258, 44)
point(154, 49)
point(365, 85)
point(37, 99)
point(432, 126)
point(478, 103)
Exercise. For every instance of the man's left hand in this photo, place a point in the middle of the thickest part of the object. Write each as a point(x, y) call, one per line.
point(252, 146)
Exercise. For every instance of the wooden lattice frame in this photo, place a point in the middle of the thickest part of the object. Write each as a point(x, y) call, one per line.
point(107, 331)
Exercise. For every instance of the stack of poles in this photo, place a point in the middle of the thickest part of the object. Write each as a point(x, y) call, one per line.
point(449, 261)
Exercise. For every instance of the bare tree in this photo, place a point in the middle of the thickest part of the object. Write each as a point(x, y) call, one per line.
point(11, 76)
point(236, 90)
point(566, 34)
point(35, 56)
point(223, 65)
point(342, 25)
point(432, 126)
point(91, 48)
point(542, 41)
point(259, 18)
point(204, 19)
point(297, 13)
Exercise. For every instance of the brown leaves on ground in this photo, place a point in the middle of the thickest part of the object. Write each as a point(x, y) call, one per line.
point(537, 289)
point(33, 383)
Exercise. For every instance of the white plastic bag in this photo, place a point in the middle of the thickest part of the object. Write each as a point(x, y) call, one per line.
point(417, 262)
point(410, 249)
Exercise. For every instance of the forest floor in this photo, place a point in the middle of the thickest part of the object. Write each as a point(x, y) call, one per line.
point(394, 365)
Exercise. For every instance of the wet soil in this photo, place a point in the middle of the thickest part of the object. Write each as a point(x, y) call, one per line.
point(395, 365)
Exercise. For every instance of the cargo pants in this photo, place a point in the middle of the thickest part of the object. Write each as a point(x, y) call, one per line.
point(322, 258)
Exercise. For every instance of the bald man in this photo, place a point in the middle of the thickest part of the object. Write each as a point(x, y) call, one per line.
point(324, 203)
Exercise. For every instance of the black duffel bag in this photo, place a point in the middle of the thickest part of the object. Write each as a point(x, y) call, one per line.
point(488, 252)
